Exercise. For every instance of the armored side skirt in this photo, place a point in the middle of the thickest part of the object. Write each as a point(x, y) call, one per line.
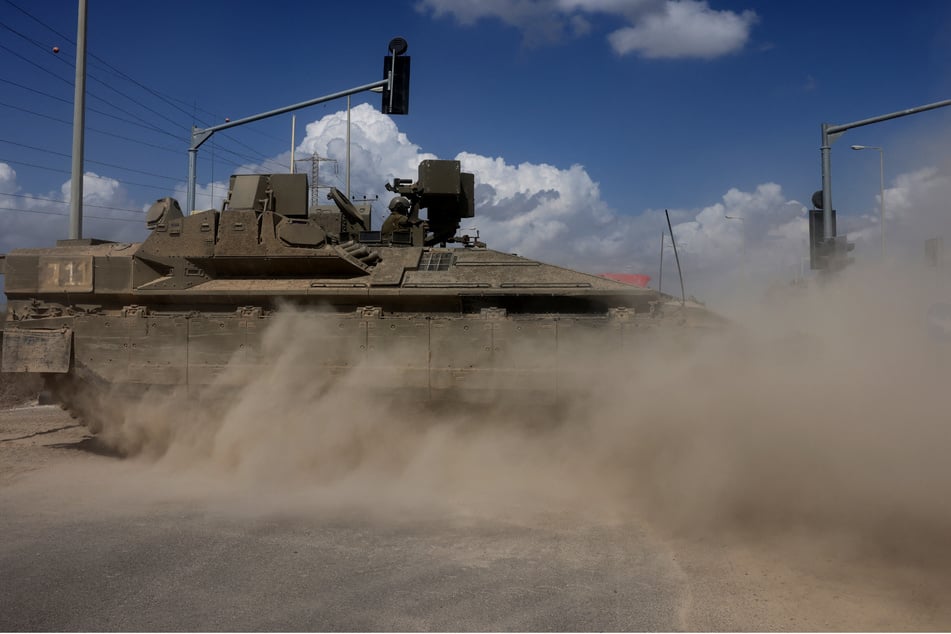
point(37, 350)
point(426, 354)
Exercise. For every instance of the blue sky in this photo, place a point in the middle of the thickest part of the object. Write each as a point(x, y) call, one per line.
point(615, 109)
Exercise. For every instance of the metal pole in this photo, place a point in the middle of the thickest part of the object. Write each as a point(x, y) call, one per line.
point(673, 242)
point(293, 139)
point(192, 160)
point(79, 124)
point(826, 150)
point(389, 83)
point(348, 146)
point(881, 166)
point(660, 277)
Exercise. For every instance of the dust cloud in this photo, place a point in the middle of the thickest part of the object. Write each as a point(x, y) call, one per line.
point(823, 411)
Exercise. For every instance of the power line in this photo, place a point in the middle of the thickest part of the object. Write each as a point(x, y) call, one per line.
point(164, 148)
point(62, 171)
point(56, 213)
point(115, 72)
point(34, 64)
point(169, 100)
point(66, 202)
point(31, 89)
point(89, 108)
point(89, 128)
point(262, 158)
point(112, 165)
point(90, 93)
point(31, 41)
point(219, 117)
point(30, 15)
point(254, 150)
point(98, 59)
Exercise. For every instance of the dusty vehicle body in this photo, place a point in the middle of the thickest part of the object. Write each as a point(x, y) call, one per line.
point(412, 313)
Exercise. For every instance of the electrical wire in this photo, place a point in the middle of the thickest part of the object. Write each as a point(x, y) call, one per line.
point(169, 100)
point(89, 93)
point(88, 108)
point(66, 202)
point(64, 214)
point(261, 159)
point(88, 128)
point(115, 70)
point(164, 148)
point(112, 165)
point(35, 65)
point(62, 171)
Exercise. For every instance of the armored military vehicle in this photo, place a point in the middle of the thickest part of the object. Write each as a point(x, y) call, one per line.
point(414, 306)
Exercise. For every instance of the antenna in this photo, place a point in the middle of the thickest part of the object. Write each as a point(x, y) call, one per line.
point(683, 293)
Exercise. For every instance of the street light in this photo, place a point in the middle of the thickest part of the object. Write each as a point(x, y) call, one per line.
point(881, 164)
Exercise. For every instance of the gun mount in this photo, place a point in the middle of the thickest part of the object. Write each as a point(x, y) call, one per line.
point(446, 192)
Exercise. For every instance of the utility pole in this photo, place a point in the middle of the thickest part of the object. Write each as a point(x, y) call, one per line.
point(79, 125)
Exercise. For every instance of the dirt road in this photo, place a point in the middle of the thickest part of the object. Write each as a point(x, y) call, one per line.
point(92, 541)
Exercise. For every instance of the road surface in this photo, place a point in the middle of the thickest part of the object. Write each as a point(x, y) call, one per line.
point(93, 541)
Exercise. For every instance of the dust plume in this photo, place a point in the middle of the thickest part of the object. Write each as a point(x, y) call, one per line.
point(823, 411)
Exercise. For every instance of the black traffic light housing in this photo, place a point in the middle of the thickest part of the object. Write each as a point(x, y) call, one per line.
point(397, 100)
point(817, 250)
point(831, 254)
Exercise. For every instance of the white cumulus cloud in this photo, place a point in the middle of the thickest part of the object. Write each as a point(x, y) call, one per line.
point(685, 28)
point(650, 28)
point(8, 179)
point(39, 219)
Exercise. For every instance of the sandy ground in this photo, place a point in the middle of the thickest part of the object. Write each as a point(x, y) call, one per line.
point(93, 541)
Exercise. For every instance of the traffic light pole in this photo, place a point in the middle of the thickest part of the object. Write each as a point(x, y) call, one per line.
point(832, 132)
point(199, 135)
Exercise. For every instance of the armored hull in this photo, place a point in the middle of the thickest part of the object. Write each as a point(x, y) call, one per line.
point(410, 313)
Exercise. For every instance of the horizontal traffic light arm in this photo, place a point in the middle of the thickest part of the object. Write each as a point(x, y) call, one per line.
point(831, 132)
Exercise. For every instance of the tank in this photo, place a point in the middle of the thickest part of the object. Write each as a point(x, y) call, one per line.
point(415, 307)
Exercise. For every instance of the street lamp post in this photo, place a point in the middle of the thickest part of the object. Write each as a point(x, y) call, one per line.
point(881, 166)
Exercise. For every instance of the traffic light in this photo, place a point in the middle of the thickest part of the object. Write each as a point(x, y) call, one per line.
point(831, 254)
point(397, 100)
point(817, 251)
